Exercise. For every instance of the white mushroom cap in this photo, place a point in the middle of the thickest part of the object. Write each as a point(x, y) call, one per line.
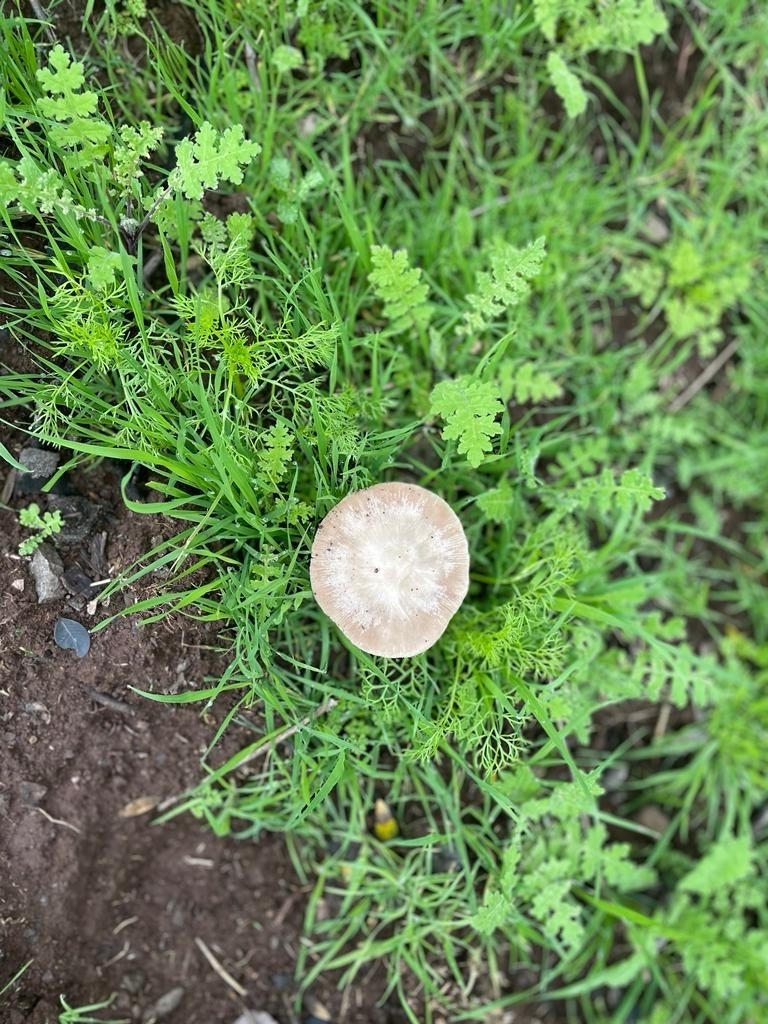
point(390, 566)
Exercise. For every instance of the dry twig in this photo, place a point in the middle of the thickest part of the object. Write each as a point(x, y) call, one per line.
point(704, 377)
point(221, 971)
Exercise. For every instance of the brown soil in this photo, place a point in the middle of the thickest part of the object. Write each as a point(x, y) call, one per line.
point(99, 898)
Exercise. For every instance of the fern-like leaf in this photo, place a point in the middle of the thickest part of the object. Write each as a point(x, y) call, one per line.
point(469, 408)
point(633, 491)
point(527, 382)
point(210, 157)
point(612, 25)
point(729, 861)
point(400, 287)
point(506, 284)
point(80, 128)
point(566, 84)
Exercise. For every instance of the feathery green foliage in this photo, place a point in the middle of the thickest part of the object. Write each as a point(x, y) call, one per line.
point(469, 408)
point(504, 286)
point(400, 287)
point(577, 29)
point(578, 766)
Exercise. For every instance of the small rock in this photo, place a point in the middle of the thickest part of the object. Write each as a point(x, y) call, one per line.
point(76, 582)
point(47, 569)
point(79, 515)
point(31, 793)
point(164, 1006)
point(653, 818)
point(317, 1012)
point(123, 1003)
point(133, 981)
point(255, 1017)
point(35, 707)
point(40, 467)
point(655, 229)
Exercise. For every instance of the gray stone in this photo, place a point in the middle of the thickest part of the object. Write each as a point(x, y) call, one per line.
point(79, 515)
point(40, 466)
point(255, 1017)
point(31, 793)
point(47, 569)
point(164, 1006)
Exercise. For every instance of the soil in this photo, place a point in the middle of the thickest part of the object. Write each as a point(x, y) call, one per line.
point(98, 898)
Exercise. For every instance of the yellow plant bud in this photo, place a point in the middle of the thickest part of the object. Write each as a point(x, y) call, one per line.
point(384, 825)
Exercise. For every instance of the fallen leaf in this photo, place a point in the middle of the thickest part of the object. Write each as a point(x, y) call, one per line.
point(72, 636)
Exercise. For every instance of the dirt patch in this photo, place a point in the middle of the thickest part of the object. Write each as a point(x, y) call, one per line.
point(100, 899)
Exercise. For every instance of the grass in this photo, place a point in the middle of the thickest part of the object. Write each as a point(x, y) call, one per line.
point(81, 1014)
point(593, 406)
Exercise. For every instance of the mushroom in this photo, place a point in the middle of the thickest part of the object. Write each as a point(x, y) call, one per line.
point(390, 566)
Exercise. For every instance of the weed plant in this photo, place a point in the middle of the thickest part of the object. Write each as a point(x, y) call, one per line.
point(484, 248)
point(45, 525)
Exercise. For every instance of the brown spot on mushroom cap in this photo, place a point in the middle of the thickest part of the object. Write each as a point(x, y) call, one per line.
point(390, 566)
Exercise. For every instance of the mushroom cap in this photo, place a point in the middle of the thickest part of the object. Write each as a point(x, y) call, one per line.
point(390, 566)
